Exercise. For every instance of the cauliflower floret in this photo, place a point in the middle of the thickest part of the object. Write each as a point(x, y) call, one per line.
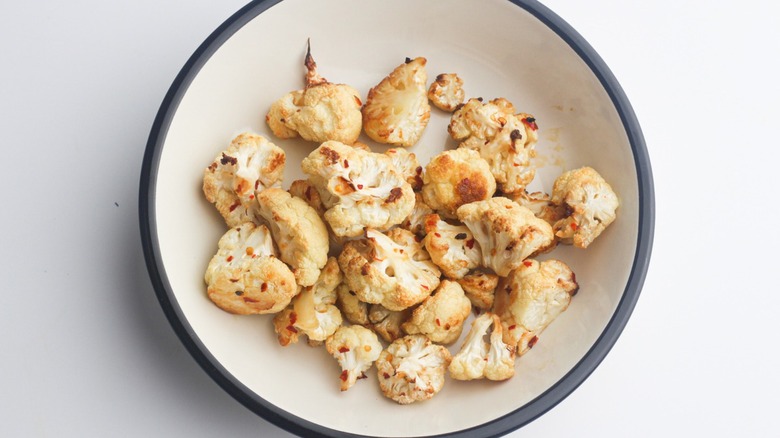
point(452, 247)
point(359, 189)
point(480, 288)
point(298, 231)
point(540, 204)
point(457, 177)
point(440, 317)
point(504, 139)
point(397, 110)
point(415, 222)
point(406, 163)
point(304, 190)
point(393, 270)
point(538, 293)
point(446, 92)
point(250, 163)
point(356, 348)
point(412, 369)
point(320, 112)
point(589, 203)
point(506, 232)
point(478, 359)
point(387, 323)
point(245, 277)
point(354, 310)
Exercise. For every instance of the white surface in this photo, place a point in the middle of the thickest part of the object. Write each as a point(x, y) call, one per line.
point(87, 351)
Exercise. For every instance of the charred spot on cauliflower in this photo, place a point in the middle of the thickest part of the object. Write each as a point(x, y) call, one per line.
point(251, 163)
point(451, 247)
point(446, 92)
point(245, 277)
point(440, 317)
point(354, 310)
point(387, 323)
point(397, 110)
point(415, 222)
point(479, 359)
point(457, 177)
point(412, 369)
point(406, 163)
point(359, 189)
point(480, 288)
point(356, 348)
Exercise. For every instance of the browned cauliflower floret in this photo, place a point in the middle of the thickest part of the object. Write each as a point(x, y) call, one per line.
point(454, 178)
point(504, 139)
point(538, 293)
point(304, 190)
point(540, 204)
point(359, 189)
point(320, 112)
point(397, 110)
point(245, 277)
point(589, 204)
point(387, 323)
point(353, 310)
point(478, 359)
point(251, 163)
point(356, 348)
point(406, 163)
point(441, 316)
point(506, 232)
point(298, 231)
point(393, 270)
point(446, 92)
point(452, 247)
point(480, 288)
point(415, 222)
point(412, 369)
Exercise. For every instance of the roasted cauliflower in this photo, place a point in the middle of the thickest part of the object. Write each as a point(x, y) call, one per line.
point(251, 163)
point(387, 323)
point(504, 139)
point(359, 189)
point(480, 288)
point(393, 270)
point(354, 310)
point(454, 178)
point(415, 222)
point(478, 359)
point(412, 369)
point(440, 317)
point(406, 163)
point(298, 231)
point(304, 190)
point(451, 247)
point(245, 277)
point(397, 110)
point(506, 232)
point(356, 348)
point(589, 203)
point(538, 293)
point(446, 92)
point(320, 112)
point(540, 204)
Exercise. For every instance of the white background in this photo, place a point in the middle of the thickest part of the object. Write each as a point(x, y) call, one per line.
point(86, 351)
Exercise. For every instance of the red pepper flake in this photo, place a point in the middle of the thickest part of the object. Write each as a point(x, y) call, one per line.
point(531, 123)
point(385, 375)
point(360, 186)
point(533, 341)
point(527, 264)
point(573, 226)
point(438, 322)
point(346, 164)
point(365, 269)
point(257, 184)
point(470, 243)
point(263, 287)
point(418, 170)
point(395, 193)
point(417, 238)
point(343, 349)
point(512, 327)
point(234, 280)
point(235, 205)
point(344, 376)
point(251, 196)
point(437, 234)
point(293, 317)
point(250, 300)
point(230, 258)
point(250, 250)
point(425, 287)
point(292, 329)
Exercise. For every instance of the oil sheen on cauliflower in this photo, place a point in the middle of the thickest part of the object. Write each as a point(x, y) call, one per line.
point(359, 189)
point(457, 177)
point(412, 369)
point(589, 203)
point(251, 163)
point(452, 247)
point(245, 277)
point(356, 348)
point(393, 270)
point(397, 110)
point(480, 288)
point(298, 231)
point(538, 293)
point(440, 317)
point(479, 359)
point(504, 139)
point(506, 232)
point(446, 92)
point(320, 112)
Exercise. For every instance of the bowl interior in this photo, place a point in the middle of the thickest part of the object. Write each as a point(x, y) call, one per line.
point(500, 50)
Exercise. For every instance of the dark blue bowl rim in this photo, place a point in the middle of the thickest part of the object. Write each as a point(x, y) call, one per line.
point(303, 427)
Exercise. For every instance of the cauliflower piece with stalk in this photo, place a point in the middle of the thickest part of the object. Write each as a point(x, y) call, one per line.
point(446, 92)
point(393, 270)
point(478, 359)
point(251, 163)
point(589, 205)
point(245, 276)
point(415, 222)
point(397, 110)
point(506, 232)
point(359, 189)
point(298, 231)
point(355, 348)
point(406, 163)
point(457, 177)
point(452, 247)
point(537, 293)
point(412, 369)
point(320, 112)
point(504, 139)
point(354, 310)
point(387, 323)
point(440, 317)
point(480, 288)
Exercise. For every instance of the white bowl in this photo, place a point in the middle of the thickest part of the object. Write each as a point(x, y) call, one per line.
point(519, 50)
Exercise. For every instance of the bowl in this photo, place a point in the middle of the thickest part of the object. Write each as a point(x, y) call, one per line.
point(517, 49)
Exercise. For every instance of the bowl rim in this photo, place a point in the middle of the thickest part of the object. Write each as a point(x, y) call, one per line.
point(294, 424)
